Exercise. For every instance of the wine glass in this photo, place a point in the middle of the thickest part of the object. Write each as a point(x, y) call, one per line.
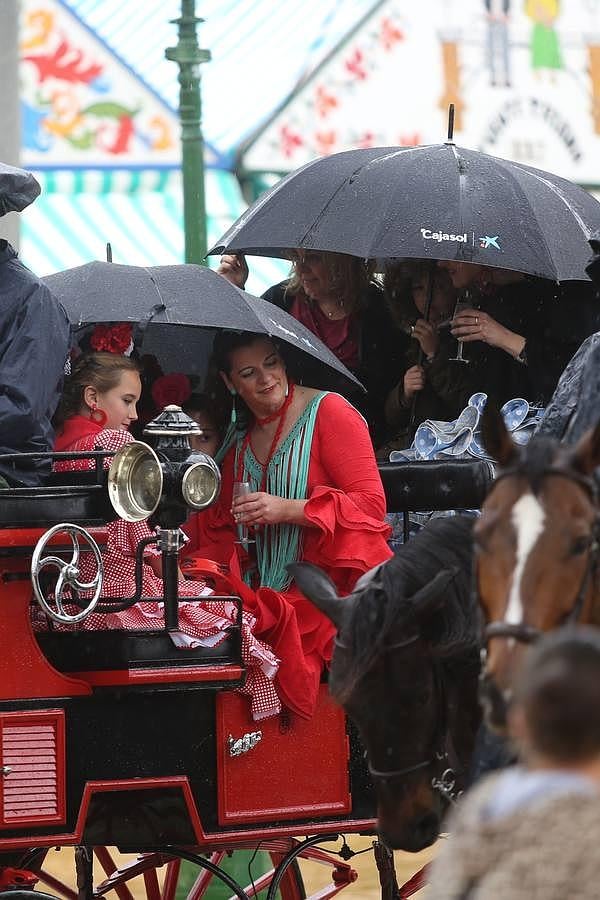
point(242, 489)
point(464, 302)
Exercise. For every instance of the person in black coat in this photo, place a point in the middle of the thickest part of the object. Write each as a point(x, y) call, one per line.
point(519, 332)
point(334, 295)
point(34, 343)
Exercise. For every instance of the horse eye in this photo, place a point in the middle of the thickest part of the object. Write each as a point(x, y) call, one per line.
point(580, 545)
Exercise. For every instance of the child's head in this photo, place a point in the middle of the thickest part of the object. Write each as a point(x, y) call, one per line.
point(104, 387)
point(556, 710)
point(201, 410)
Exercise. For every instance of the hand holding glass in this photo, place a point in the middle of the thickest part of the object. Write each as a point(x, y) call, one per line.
point(242, 489)
point(461, 305)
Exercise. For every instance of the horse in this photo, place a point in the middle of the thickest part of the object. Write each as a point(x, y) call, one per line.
point(405, 668)
point(536, 550)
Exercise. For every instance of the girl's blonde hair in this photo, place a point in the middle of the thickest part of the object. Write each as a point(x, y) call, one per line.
point(349, 277)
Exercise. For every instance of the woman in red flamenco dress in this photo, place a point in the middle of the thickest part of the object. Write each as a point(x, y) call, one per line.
point(96, 411)
point(315, 495)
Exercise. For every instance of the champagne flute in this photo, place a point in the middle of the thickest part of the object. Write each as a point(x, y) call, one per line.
point(464, 302)
point(242, 489)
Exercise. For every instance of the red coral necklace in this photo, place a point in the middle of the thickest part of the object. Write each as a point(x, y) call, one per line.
point(280, 414)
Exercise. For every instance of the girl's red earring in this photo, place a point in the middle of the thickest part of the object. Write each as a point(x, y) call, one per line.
point(98, 416)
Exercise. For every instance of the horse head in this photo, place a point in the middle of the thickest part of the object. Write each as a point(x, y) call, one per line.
point(386, 676)
point(536, 550)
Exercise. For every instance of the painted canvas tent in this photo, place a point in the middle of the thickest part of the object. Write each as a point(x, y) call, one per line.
point(100, 125)
point(524, 77)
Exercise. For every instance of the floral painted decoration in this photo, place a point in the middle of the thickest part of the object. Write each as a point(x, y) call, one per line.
point(174, 388)
point(113, 338)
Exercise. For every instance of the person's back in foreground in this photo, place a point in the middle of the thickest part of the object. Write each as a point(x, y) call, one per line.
point(533, 831)
point(34, 341)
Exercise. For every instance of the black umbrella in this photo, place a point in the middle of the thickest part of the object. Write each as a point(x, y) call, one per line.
point(177, 309)
point(432, 202)
point(17, 189)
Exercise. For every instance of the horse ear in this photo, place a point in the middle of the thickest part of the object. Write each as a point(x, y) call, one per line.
point(319, 588)
point(430, 598)
point(496, 437)
point(586, 455)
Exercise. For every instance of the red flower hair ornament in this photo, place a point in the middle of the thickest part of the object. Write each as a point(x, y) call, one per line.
point(113, 338)
point(174, 388)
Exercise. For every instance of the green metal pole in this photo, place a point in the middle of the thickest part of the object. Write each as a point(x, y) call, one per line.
point(188, 56)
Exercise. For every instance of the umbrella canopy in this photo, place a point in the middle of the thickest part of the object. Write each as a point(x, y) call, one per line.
point(438, 202)
point(177, 310)
point(17, 189)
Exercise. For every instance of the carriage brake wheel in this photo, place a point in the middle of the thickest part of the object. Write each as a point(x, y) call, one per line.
point(68, 574)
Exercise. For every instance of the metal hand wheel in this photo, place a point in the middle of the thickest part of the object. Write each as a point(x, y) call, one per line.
point(68, 576)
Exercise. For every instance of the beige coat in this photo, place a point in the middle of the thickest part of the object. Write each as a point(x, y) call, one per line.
point(549, 851)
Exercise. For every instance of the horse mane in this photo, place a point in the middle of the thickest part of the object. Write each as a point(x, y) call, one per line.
point(387, 602)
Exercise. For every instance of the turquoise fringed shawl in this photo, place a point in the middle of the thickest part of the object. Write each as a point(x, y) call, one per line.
point(287, 476)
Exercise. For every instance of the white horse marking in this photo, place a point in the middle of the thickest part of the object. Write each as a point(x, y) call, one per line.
point(528, 518)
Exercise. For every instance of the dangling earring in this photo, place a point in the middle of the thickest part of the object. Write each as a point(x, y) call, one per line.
point(233, 393)
point(287, 388)
point(98, 415)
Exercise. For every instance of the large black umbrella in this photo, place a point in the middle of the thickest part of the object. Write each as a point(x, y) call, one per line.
point(438, 202)
point(176, 311)
point(17, 189)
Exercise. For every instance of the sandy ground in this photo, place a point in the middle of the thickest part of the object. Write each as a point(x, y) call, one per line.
point(315, 876)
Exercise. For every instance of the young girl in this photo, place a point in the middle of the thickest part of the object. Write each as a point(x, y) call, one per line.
point(97, 409)
point(201, 410)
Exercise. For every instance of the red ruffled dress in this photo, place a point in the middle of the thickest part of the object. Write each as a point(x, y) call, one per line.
point(347, 536)
point(201, 624)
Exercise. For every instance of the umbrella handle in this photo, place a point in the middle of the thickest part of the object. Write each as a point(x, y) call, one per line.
point(426, 311)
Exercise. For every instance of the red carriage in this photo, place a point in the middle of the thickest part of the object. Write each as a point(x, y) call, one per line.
point(118, 739)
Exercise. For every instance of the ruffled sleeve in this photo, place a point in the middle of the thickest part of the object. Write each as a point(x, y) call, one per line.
point(346, 502)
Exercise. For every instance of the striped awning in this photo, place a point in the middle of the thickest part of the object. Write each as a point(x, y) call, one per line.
point(140, 213)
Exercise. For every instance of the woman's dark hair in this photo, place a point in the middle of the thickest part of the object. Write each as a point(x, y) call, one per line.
point(398, 281)
point(101, 370)
point(559, 692)
point(226, 342)
point(202, 403)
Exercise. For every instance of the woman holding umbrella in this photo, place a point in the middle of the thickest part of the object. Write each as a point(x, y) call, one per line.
point(334, 295)
point(313, 493)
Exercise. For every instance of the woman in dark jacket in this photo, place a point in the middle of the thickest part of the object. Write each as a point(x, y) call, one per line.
point(424, 388)
point(334, 295)
point(516, 332)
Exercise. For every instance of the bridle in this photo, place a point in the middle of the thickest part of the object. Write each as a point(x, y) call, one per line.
point(444, 750)
point(529, 634)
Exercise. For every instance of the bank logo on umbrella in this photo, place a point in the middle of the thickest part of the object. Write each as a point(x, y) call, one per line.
point(486, 242)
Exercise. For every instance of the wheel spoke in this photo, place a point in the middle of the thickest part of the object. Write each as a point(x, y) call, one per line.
point(205, 877)
point(171, 879)
point(75, 540)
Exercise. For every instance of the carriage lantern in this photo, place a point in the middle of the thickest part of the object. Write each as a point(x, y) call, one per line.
point(165, 482)
point(162, 484)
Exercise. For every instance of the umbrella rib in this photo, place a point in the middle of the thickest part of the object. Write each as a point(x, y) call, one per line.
point(348, 180)
point(527, 171)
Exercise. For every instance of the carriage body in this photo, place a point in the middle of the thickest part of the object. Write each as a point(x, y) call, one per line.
point(118, 738)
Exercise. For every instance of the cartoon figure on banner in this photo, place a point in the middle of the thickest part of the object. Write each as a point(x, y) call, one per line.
point(545, 47)
point(497, 48)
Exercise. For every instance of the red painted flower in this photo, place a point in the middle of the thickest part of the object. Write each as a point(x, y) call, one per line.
point(112, 338)
point(174, 388)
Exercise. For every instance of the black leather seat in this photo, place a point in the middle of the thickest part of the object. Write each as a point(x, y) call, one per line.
point(421, 485)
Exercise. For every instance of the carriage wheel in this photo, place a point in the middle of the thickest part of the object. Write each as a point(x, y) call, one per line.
point(158, 876)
